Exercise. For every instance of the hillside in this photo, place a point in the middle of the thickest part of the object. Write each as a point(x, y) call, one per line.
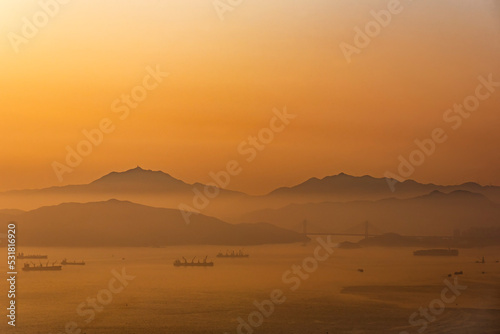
point(436, 213)
point(343, 187)
point(159, 189)
point(118, 223)
point(154, 188)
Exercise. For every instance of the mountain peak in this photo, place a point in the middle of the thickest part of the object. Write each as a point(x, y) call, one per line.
point(139, 176)
point(139, 169)
point(344, 176)
point(339, 175)
point(134, 171)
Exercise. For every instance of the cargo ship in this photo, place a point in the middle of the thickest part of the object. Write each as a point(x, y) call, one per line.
point(204, 263)
point(23, 256)
point(41, 267)
point(436, 252)
point(232, 254)
point(74, 263)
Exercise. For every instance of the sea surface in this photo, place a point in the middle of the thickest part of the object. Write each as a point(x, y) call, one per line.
point(334, 297)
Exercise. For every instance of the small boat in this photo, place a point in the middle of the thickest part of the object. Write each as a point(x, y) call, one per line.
point(436, 252)
point(74, 263)
point(23, 256)
point(233, 254)
point(204, 263)
point(41, 267)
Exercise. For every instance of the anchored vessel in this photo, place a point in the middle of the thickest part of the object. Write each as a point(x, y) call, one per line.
point(74, 263)
point(25, 256)
point(232, 254)
point(204, 263)
point(41, 267)
point(436, 252)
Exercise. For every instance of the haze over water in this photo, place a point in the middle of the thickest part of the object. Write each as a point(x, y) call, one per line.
point(165, 299)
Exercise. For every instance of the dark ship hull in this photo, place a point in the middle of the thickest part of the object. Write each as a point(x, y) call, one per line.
point(65, 262)
point(201, 264)
point(233, 254)
point(185, 263)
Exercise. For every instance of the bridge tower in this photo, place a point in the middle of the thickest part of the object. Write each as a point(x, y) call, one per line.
point(304, 227)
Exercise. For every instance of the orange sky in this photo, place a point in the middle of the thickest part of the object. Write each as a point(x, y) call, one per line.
point(227, 76)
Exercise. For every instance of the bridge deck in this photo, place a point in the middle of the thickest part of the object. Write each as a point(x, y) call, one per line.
point(374, 235)
point(345, 234)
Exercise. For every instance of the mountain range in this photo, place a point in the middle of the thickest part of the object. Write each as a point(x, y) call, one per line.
point(161, 189)
point(436, 213)
point(343, 187)
point(122, 223)
point(332, 203)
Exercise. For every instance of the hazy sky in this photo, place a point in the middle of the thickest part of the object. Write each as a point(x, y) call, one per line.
point(227, 76)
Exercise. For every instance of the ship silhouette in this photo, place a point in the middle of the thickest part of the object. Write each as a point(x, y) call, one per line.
point(65, 262)
point(204, 263)
point(33, 256)
point(233, 254)
point(41, 267)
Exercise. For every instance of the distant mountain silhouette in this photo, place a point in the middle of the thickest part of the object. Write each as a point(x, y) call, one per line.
point(132, 180)
point(138, 179)
point(137, 185)
point(343, 187)
point(156, 188)
point(436, 213)
point(457, 194)
point(121, 223)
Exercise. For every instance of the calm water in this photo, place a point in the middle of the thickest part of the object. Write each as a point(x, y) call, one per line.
point(165, 299)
